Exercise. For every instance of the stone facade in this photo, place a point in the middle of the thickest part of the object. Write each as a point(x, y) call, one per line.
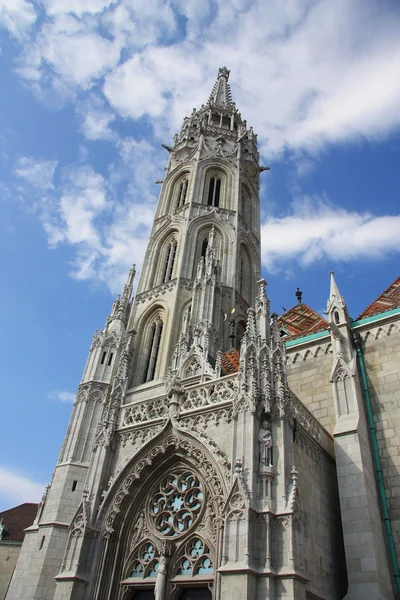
point(179, 480)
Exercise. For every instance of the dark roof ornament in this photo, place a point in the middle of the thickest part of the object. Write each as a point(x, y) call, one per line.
point(299, 295)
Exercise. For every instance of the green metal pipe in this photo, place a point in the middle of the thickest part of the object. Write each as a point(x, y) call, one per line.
point(377, 460)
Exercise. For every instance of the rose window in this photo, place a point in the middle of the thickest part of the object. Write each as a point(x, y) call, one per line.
point(177, 503)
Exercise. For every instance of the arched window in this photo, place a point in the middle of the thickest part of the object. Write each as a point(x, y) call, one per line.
point(153, 348)
point(182, 191)
point(169, 261)
point(214, 190)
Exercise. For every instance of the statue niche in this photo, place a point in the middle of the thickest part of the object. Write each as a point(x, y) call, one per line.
point(265, 447)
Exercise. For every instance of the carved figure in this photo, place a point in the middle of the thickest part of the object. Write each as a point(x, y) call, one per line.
point(265, 445)
point(138, 529)
point(159, 590)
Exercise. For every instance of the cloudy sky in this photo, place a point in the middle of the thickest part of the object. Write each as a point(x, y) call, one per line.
point(89, 91)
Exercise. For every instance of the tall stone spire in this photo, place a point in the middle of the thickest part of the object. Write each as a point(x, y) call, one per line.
point(221, 94)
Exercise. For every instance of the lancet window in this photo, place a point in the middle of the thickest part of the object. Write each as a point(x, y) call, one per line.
point(169, 260)
point(182, 192)
point(155, 334)
point(214, 190)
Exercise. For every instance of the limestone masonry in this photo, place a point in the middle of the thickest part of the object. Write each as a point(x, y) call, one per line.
point(216, 451)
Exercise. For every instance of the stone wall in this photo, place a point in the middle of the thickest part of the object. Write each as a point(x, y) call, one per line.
point(382, 361)
point(9, 553)
point(321, 552)
point(309, 369)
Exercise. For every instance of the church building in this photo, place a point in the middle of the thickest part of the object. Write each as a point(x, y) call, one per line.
point(216, 451)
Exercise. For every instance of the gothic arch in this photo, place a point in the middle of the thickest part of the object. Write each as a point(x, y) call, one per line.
point(164, 258)
point(171, 188)
point(151, 343)
point(219, 168)
point(197, 230)
point(173, 450)
point(172, 227)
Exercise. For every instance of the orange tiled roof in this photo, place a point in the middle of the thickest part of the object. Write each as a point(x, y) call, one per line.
point(301, 320)
point(230, 361)
point(388, 300)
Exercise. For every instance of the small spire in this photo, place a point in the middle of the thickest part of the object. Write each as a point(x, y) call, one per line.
point(221, 94)
point(334, 294)
point(336, 306)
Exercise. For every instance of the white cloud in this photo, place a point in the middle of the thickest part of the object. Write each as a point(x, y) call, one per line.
point(96, 120)
point(316, 230)
point(16, 488)
point(107, 223)
point(67, 54)
point(38, 173)
point(62, 396)
point(17, 16)
point(77, 7)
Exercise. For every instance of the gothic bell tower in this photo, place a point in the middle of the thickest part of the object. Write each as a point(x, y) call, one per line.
point(203, 257)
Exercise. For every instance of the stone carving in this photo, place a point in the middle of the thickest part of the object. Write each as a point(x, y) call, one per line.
point(138, 529)
point(160, 290)
point(212, 394)
point(138, 437)
point(265, 446)
point(211, 417)
point(159, 590)
point(145, 411)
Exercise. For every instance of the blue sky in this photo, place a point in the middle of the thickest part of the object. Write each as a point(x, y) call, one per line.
point(89, 91)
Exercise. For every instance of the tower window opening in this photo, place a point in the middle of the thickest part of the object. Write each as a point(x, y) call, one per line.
point(215, 119)
point(42, 542)
point(74, 484)
point(337, 318)
point(182, 191)
point(110, 360)
point(155, 339)
point(241, 274)
point(214, 191)
point(226, 122)
point(169, 261)
point(103, 358)
point(204, 247)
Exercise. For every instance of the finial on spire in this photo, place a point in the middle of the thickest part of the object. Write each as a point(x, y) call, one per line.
point(221, 94)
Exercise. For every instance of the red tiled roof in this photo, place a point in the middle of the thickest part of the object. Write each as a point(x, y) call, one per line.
point(230, 361)
point(388, 300)
point(301, 320)
point(17, 519)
